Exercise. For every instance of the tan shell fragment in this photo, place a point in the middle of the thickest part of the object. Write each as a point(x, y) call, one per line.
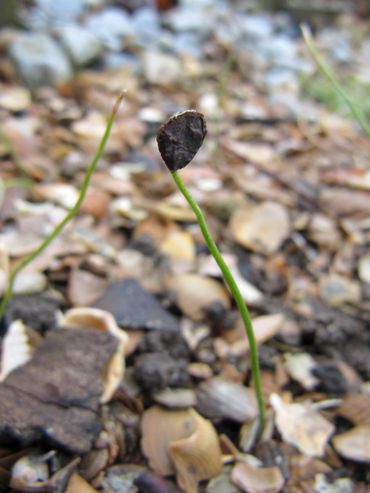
point(181, 442)
point(94, 318)
point(354, 444)
point(195, 293)
point(197, 457)
point(179, 247)
point(159, 428)
point(262, 228)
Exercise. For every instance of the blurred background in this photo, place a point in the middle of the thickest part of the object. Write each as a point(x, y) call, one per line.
point(48, 42)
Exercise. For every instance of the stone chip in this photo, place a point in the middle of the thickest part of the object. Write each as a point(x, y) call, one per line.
point(56, 395)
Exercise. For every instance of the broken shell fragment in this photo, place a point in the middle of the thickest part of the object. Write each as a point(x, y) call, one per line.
point(181, 442)
point(16, 348)
point(92, 318)
point(159, 428)
point(180, 138)
point(301, 426)
point(95, 318)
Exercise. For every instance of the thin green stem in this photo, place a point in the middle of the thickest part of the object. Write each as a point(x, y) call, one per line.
point(256, 374)
point(323, 66)
point(15, 183)
point(12, 152)
point(71, 213)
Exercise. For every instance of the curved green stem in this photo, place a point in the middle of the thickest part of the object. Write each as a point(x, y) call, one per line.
point(256, 374)
point(71, 213)
point(323, 66)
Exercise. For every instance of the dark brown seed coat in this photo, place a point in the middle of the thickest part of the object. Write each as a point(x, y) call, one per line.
point(180, 138)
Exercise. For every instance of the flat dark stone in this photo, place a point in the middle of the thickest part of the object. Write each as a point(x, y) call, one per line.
point(135, 308)
point(27, 420)
point(56, 395)
point(156, 371)
point(38, 311)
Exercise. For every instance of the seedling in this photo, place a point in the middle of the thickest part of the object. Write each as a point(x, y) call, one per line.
point(179, 139)
point(69, 216)
point(330, 75)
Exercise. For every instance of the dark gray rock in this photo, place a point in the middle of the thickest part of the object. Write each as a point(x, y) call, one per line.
point(135, 308)
point(56, 395)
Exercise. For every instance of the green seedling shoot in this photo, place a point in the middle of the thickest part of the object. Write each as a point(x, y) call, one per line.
point(330, 75)
point(179, 139)
point(69, 216)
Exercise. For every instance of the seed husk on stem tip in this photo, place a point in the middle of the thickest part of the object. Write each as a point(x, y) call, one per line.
point(179, 139)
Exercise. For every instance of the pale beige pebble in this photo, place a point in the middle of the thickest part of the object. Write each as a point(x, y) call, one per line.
point(365, 388)
point(195, 293)
point(208, 266)
point(299, 366)
point(300, 425)
point(354, 444)
point(28, 282)
point(253, 479)
point(125, 207)
point(343, 201)
point(175, 398)
point(364, 268)
point(200, 370)
point(178, 245)
point(337, 290)
point(324, 231)
point(96, 203)
point(62, 194)
point(265, 327)
point(90, 126)
point(262, 228)
point(222, 398)
point(84, 287)
point(15, 98)
point(257, 153)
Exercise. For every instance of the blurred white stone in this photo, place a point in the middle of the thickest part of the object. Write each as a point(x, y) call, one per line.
point(160, 68)
point(82, 45)
point(39, 60)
